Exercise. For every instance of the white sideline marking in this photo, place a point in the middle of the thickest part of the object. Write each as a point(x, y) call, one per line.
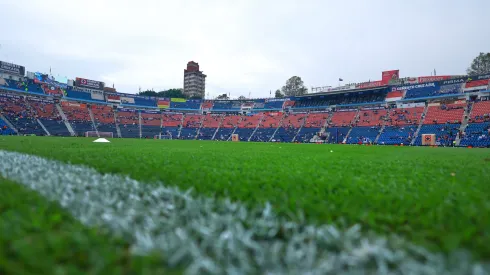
point(217, 237)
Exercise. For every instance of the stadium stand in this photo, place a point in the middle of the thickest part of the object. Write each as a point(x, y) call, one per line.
point(128, 121)
point(79, 117)
point(4, 129)
point(352, 113)
point(104, 118)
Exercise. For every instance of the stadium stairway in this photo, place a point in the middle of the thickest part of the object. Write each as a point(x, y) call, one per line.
point(42, 126)
point(91, 114)
point(139, 123)
point(421, 122)
point(118, 130)
point(65, 119)
point(217, 129)
point(37, 119)
point(278, 126)
point(9, 124)
point(256, 127)
point(327, 121)
point(464, 121)
point(380, 131)
point(200, 126)
point(236, 127)
point(181, 126)
point(300, 127)
point(356, 118)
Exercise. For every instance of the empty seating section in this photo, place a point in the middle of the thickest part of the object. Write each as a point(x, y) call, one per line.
point(171, 120)
point(263, 134)
point(343, 99)
point(209, 125)
point(273, 105)
point(397, 134)
point(476, 135)
point(371, 117)
point(23, 118)
point(270, 120)
point(79, 117)
point(211, 121)
point(78, 94)
point(128, 121)
point(4, 129)
point(342, 118)
point(306, 133)
point(49, 116)
point(289, 128)
point(337, 134)
point(151, 119)
point(480, 111)
point(223, 134)
point(405, 116)
point(206, 133)
point(445, 133)
point(192, 121)
point(244, 133)
point(150, 124)
point(450, 113)
point(363, 134)
point(187, 105)
point(315, 120)
point(250, 121)
point(230, 121)
point(104, 118)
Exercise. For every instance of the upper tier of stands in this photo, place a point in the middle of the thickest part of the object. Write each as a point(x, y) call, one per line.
point(450, 113)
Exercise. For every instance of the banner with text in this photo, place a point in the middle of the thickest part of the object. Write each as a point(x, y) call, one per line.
point(87, 83)
point(12, 68)
point(372, 84)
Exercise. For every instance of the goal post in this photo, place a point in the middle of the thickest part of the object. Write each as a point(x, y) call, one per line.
point(101, 134)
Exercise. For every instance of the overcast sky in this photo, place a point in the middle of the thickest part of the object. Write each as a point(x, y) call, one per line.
point(249, 46)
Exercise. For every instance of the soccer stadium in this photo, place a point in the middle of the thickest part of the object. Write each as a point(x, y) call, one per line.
point(386, 176)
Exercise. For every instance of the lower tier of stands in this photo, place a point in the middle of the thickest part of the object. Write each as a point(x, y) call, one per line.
point(148, 131)
point(363, 135)
point(206, 133)
point(476, 135)
point(5, 129)
point(392, 135)
point(445, 133)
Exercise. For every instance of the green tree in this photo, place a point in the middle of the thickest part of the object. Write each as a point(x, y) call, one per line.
point(242, 97)
point(294, 86)
point(480, 65)
point(177, 93)
point(278, 94)
point(223, 96)
point(148, 93)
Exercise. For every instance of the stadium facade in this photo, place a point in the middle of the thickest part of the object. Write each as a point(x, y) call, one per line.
point(391, 111)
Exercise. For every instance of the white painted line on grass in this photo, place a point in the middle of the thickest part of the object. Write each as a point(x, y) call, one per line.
point(218, 237)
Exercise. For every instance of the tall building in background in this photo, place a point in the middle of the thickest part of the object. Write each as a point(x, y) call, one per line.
point(194, 81)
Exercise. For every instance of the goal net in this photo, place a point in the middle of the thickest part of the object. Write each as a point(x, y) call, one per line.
point(162, 136)
point(101, 134)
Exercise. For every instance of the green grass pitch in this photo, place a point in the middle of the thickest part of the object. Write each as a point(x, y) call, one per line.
point(438, 198)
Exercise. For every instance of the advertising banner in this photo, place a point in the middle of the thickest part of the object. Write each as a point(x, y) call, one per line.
point(127, 100)
point(163, 104)
point(97, 95)
point(113, 98)
point(390, 75)
point(424, 79)
point(12, 68)
point(372, 84)
point(173, 99)
point(451, 88)
point(87, 83)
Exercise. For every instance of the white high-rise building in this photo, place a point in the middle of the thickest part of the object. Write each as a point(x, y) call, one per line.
point(194, 81)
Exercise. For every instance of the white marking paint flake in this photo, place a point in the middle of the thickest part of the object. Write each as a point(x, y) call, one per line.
point(210, 236)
